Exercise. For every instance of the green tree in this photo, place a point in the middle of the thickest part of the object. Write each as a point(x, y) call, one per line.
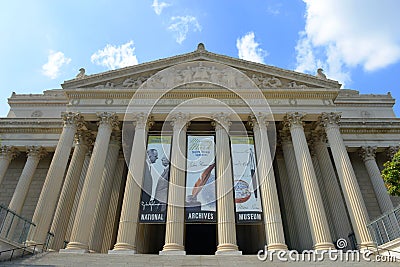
point(391, 175)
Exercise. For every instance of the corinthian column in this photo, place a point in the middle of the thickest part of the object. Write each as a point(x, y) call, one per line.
point(176, 191)
point(348, 181)
point(48, 197)
point(86, 207)
point(296, 194)
point(272, 214)
point(312, 196)
point(334, 196)
point(126, 238)
point(7, 153)
point(103, 200)
point(67, 195)
point(21, 191)
point(224, 183)
point(367, 153)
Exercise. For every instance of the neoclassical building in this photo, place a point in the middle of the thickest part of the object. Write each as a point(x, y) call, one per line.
point(198, 153)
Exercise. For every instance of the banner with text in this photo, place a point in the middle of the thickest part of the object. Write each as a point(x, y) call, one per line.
point(247, 193)
point(153, 204)
point(200, 204)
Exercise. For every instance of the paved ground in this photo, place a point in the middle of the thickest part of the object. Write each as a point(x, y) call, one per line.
point(98, 260)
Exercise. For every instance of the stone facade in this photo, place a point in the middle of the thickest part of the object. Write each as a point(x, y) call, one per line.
point(287, 108)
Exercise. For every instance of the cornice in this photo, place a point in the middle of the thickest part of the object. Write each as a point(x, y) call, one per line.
point(30, 126)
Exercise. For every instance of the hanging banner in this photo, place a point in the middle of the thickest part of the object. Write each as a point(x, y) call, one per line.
point(246, 188)
point(153, 204)
point(200, 204)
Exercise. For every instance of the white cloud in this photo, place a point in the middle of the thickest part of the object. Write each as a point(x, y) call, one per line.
point(249, 49)
point(343, 34)
point(54, 63)
point(181, 26)
point(114, 57)
point(159, 6)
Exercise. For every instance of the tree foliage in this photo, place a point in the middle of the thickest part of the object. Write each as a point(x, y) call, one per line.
point(391, 175)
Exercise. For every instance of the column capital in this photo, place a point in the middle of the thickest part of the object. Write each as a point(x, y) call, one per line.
point(36, 151)
point(367, 152)
point(142, 121)
point(258, 119)
point(108, 118)
point(391, 151)
point(293, 119)
point(73, 118)
point(84, 138)
point(9, 152)
point(328, 119)
point(180, 120)
point(221, 121)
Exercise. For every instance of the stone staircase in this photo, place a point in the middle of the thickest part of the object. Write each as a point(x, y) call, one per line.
point(98, 260)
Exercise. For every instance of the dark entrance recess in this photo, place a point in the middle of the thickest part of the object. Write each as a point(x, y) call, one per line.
point(201, 239)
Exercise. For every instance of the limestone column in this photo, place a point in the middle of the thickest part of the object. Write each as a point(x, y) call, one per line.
point(48, 197)
point(34, 154)
point(312, 196)
point(296, 194)
point(348, 181)
point(175, 224)
point(78, 193)
point(335, 201)
point(293, 239)
point(68, 191)
point(103, 200)
point(87, 202)
point(269, 194)
point(224, 182)
point(112, 207)
point(367, 153)
point(126, 238)
point(7, 154)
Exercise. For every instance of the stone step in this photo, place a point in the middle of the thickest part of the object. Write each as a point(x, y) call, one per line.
point(98, 260)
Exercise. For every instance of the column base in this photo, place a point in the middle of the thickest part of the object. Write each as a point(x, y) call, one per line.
point(324, 246)
point(77, 246)
point(276, 247)
point(367, 246)
point(73, 251)
point(122, 252)
point(227, 249)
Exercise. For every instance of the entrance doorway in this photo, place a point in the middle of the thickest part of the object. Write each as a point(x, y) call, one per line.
point(201, 239)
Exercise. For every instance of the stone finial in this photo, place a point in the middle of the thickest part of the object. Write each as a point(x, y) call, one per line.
point(320, 74)
point(81, 74)
point(201, 47)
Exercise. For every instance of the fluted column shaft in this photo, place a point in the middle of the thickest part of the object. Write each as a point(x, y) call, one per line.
point(21, 191)
point(103, 200)
point(348, 181)
point(7, 153)
point(78, 193)
point(112, 207)
point(126, 238)
point(24, 181)
point(48, 196)
point(296, 194)
point(175, 224)
point(68, 191)
point(87, 202)
point(335, 201)
point(272, 214)
point(312, 196)
point(224, 181)
point(367, 153)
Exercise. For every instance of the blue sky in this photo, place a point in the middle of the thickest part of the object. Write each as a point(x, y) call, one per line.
point(46, 42)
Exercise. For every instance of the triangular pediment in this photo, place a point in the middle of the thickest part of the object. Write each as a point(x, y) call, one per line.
point(264, 76)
